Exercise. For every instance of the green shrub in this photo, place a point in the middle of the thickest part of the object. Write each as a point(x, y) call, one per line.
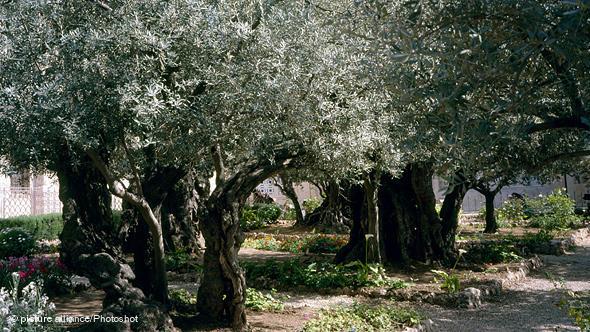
point(259, 215)
point(361, 317)
point(450, 282)
point(493, 252)
point(16, 242)
point(259, 301)
point(268, 213)
point(46, 226)
point(512, 211)
point(318, 275)
point(532, 240)
point(555, 211)
point(310, 204)
point(289, 214)
point(249, 219)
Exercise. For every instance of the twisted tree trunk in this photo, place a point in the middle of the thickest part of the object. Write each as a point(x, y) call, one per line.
point(330, 216)
point(222, 294)
point(286, 187)
point(409, 226)
point(90, 248)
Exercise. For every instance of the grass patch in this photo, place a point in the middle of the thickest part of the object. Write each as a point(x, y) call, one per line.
point(361, 317)
point(318, 275)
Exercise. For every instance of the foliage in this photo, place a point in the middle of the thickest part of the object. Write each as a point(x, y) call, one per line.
point(362, 317)
point(259, 215)
point(47, 270)
point(16, 242)
point(311, 243)
point(577, 305)
point(552, 212)
point(289, 214)
point(46, 227)
point(493, 252)
point(181, 261)
point(317, 275)
point(267, 213)
point(450, 281)
point(512, 211)
point(183, 301)
point(28, 301)
point(532, 240)
point(309, 205)
point(259, 301)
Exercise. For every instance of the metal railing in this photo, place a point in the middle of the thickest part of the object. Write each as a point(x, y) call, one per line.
point(31, 201)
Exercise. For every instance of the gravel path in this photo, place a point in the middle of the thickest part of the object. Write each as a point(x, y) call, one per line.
point(529, 305)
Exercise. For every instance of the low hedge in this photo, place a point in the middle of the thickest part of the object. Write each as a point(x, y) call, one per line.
point(44, 226)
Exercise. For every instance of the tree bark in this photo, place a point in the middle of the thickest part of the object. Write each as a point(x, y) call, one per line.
point(371, 187)
point(491, 222)
point(451, 207)
point(179, 219)
point(89, 247)
point(287, 189)
point(87, 213)
point(221, 297)
point(330, 216)
point(354, 249)
point(222, 293)
point(409, 228)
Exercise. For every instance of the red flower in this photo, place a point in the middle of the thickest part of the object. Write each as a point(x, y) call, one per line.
point(22, 274)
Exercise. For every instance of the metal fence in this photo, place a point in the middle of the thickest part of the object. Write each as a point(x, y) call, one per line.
point(31, 201)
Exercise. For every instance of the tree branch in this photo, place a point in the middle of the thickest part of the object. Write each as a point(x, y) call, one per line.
point(115, 185)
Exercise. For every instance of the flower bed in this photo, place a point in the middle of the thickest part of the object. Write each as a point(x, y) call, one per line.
point(51, 271)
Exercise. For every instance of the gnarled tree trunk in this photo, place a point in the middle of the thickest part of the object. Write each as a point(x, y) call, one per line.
point(330, 216)
point(286, 187)
point(222, 294)
point(451, 207)
point(409, 227)
point(90, 248)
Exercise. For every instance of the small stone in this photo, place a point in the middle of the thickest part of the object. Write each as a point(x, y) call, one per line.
point(470, 298)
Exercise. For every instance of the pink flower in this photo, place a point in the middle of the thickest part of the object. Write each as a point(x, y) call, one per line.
point(22, 274)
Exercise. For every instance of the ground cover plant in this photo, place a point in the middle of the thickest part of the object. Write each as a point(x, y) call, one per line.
point(362, 317)
point(310, 243)
point(259, 301)
point(317, 275)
